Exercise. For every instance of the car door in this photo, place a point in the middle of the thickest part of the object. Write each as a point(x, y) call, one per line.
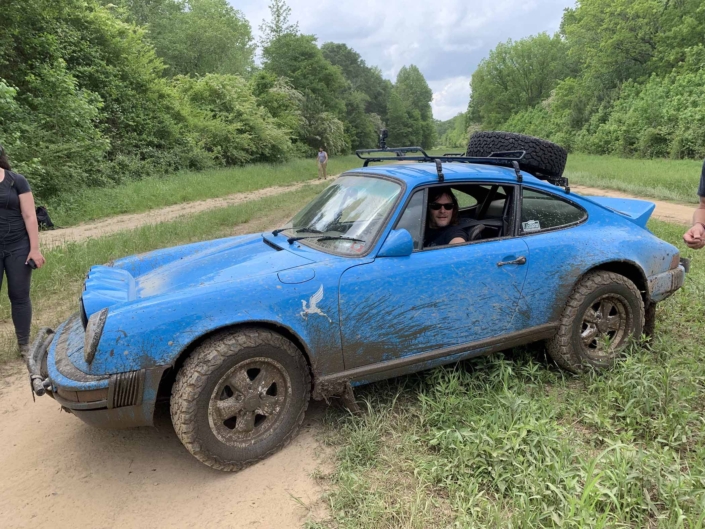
point(448, 296)
point(553, 229)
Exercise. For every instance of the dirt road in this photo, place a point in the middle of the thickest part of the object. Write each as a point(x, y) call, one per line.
point(131, 221)
point(57, 472)
point(666, 211)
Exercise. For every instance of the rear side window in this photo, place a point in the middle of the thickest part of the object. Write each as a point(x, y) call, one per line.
point(540, 212)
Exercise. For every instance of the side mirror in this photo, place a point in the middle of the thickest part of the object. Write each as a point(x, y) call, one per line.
point(399, 243)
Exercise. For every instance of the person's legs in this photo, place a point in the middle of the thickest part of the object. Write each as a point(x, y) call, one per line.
point(325, 166)
point(19, 277)
point(321, 170)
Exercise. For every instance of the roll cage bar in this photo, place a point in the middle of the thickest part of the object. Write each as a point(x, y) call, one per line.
point(510, 159)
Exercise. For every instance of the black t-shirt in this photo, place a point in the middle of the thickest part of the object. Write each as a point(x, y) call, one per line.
point(12, 228)
point(443, 236)
point(701, 189)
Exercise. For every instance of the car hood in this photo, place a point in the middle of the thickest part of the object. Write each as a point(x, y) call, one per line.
point(233, 259)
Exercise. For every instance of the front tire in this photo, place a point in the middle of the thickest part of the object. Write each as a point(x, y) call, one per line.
point(240, 397)
point(602, 313)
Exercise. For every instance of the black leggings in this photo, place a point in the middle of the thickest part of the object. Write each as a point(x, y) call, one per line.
point(19, 276)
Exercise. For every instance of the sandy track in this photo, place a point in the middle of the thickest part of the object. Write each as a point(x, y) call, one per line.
point(666, 211)
point(56, 471)
point(102, 227)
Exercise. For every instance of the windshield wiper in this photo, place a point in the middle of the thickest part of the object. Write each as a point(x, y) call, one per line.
point(292, 240)
point(300, 228)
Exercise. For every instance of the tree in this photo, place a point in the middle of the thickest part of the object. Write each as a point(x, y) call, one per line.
point(362, 78)
point(516, 76)
point(279, 23)
point(298, 59)
point(415, 94)
point(196, 37)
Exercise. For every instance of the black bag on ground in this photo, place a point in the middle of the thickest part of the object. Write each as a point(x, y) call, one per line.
point(43, 219)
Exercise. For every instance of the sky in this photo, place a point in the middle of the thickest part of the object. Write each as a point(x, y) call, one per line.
point(446, 39)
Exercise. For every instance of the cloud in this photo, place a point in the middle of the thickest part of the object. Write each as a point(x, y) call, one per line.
point(446, 39)
point(450, 96)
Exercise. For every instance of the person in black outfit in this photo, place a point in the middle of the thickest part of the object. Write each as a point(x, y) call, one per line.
point(19, 242)
point(695, 236)
point(442, 226)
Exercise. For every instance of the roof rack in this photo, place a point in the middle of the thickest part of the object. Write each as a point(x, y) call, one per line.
point(504, 159)
point(510, 159)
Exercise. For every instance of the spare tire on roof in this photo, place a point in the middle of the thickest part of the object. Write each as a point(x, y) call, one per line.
point(542, 157)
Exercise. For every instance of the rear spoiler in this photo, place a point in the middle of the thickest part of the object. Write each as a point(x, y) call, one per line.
point(638, 211)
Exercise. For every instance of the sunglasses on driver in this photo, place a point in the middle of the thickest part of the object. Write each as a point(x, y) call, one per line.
point(435, 206)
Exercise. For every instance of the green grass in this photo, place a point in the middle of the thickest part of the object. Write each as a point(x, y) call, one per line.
point(675, 180)
point(511, 441)
point(151, 193)
point(57, 286)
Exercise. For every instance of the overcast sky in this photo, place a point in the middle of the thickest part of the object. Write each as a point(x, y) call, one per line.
point(446, 39)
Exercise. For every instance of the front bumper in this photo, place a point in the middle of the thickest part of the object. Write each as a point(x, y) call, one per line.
point(663, 285)
point(120, 400)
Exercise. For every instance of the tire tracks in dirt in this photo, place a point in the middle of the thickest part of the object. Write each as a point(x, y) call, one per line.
point(130, 221)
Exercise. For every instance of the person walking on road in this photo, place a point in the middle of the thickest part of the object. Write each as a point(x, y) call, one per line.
point(19, 246)
point(322, 163)
point(695, 236)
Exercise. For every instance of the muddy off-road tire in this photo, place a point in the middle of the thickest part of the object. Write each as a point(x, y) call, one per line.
point(542, 157)
point(603, 311)
point(240, 397)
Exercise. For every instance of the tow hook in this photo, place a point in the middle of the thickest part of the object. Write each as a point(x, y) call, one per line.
point(685, 263)
point(39, 348)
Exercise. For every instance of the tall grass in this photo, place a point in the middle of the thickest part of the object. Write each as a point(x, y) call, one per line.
point(657, 178)
point(512, 441)
point(150, 193)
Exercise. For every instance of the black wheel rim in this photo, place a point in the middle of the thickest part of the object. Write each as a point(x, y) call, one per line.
point(605, 327)
point(249, 401)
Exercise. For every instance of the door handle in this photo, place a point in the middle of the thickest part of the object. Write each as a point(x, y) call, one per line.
point(518, 261)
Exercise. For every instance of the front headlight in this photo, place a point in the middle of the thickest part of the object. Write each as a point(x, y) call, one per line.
point(94, 329)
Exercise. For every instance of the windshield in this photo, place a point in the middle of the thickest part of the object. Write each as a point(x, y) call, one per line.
point(347, 216)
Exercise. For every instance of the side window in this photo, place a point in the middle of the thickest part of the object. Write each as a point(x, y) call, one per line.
point(540, 212)
point(464, 200)
point(412, 218)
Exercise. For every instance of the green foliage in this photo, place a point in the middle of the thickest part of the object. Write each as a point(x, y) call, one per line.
point(453, 132)
point(298, 59)
point(279, 23)
point(195, 37)
point(627, 79)
point(409, 111)
point(516, 76)
point(362, 78)
point(227, 121)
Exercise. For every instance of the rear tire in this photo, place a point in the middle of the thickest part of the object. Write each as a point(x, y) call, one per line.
point(240, 397)
point(602, 313)
point(542, 157)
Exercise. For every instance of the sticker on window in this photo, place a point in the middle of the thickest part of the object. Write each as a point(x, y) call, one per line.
point(531, 226)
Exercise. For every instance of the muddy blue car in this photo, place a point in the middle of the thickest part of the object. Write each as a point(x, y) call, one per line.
point(240, 333)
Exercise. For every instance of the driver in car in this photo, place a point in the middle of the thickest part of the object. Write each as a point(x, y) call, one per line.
point(442, 224)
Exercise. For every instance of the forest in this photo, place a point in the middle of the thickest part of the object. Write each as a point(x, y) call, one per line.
point(621, 77)
point(98, 92)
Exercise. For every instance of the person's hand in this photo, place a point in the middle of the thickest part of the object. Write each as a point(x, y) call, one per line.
point(695, 236)
point(37, 257)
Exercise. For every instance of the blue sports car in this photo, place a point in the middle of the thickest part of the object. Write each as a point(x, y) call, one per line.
point(392, 269)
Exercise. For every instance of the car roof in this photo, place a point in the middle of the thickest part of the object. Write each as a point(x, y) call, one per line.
point(414, 174)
